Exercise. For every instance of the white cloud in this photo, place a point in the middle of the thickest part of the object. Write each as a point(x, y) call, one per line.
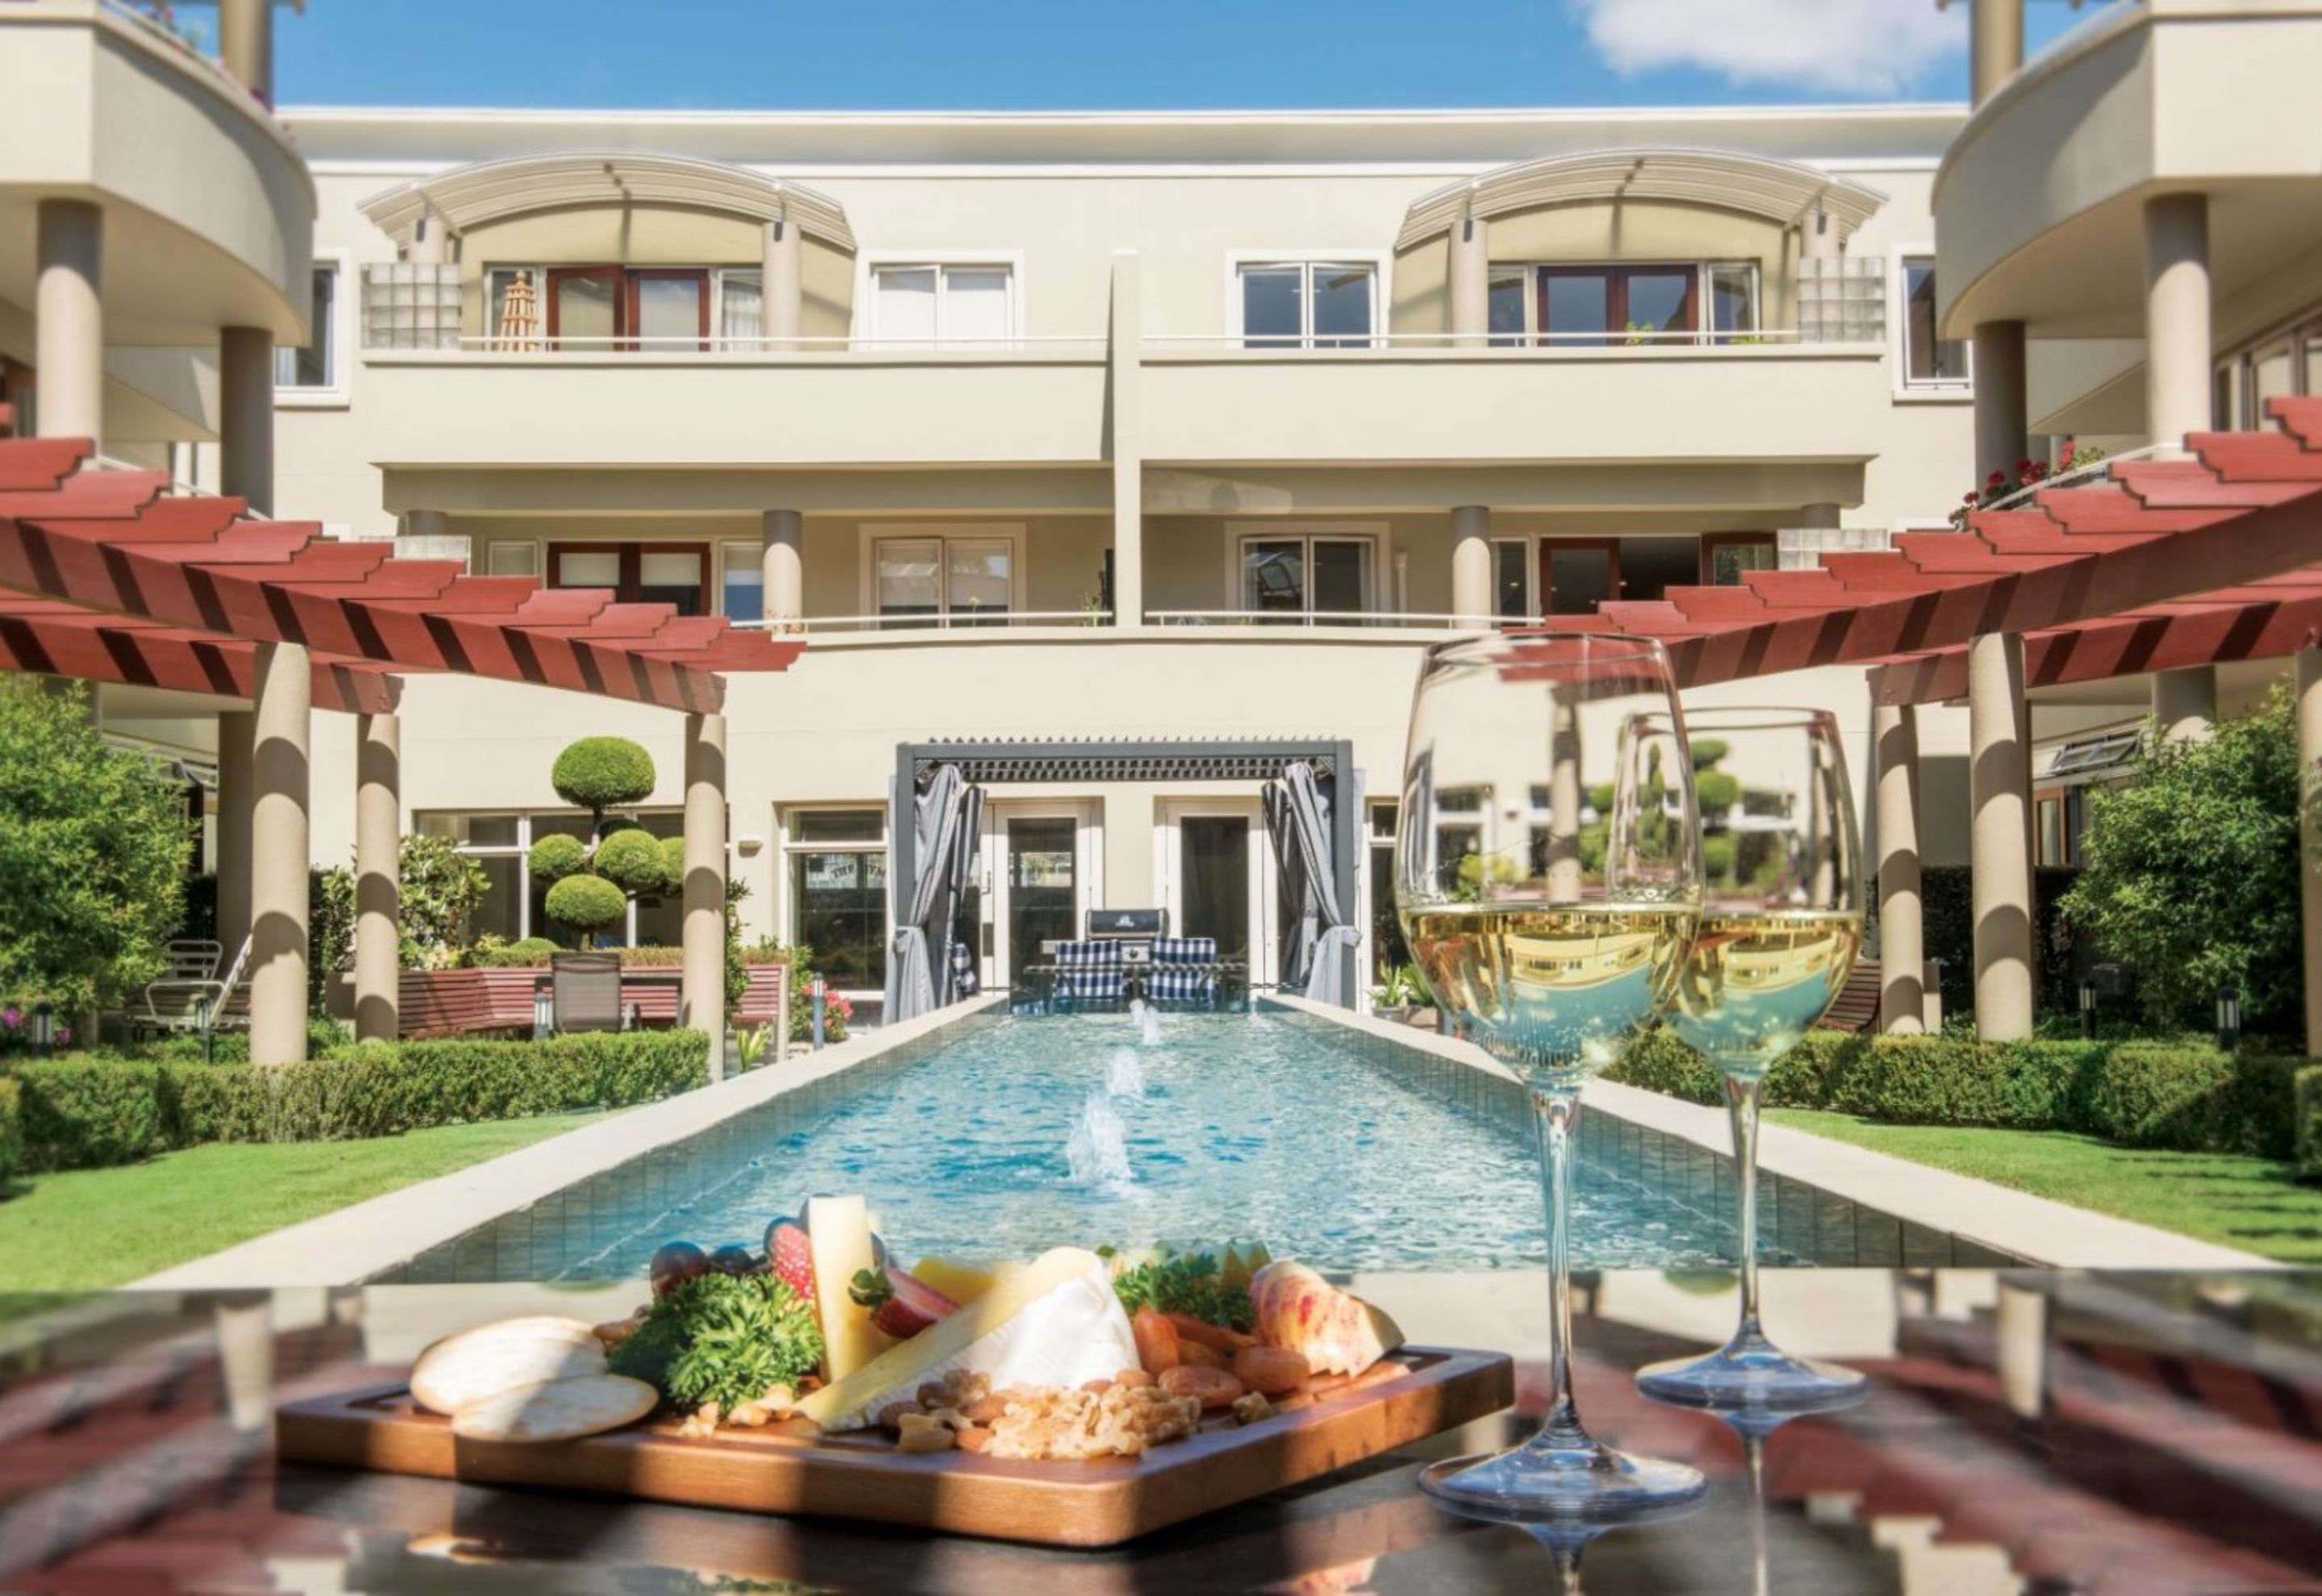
point(1866, 46)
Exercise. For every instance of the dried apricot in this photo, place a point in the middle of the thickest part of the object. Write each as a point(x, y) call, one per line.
point(1157, 1341)
point(1271, 1370)
point(1213, 1388)
point(1201, 1356)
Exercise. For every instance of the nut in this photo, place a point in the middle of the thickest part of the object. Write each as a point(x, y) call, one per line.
point(935, 1438)
point(1251, 1408)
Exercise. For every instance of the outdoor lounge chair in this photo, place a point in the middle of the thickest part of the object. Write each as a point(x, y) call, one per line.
point(1185, 970)
point(196, 1004)
point(585, 992)
point(1090, 971)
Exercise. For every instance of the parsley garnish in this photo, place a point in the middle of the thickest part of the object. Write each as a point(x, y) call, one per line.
point(1190, 1284)
point(723, 1338)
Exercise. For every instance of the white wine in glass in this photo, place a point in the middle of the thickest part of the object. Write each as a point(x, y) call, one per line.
point(1547, 876)
point(1780, 929)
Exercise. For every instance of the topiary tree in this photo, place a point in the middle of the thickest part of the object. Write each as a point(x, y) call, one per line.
point(2190, 871)
point(591, 884)
point(93, 848)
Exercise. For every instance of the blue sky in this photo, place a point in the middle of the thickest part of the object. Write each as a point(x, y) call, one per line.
point(1087, 54)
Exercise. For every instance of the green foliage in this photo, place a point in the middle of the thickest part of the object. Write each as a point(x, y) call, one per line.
point(1600, 797)
point(2192, 872)
point(89, 1111)
point(632, 861)
point(672, 864)
point(329, 929)
point(1947, 897)
point(1657, 1062)
point(1719, 851)
point(93, 849)
point(530, 953)
point(2309, 1123)
point(1718, 790)
point(589, 904)
point(601, 773)
point(557, 856)
point(12, 1132)
point(1708, 751)
point(439, 889)
point(1190, 1283)
point(723, 1338)
point(2156, 1094)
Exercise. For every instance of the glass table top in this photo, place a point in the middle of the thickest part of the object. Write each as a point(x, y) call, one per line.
point(2027, 1432)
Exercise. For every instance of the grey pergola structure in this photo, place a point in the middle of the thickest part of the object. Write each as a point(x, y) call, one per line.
point(1146, 759)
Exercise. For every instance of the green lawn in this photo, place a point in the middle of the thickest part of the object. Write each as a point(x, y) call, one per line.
point(83, 1229)
point(2250, 1203)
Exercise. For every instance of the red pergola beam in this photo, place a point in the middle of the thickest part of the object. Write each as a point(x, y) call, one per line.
point(59, 639)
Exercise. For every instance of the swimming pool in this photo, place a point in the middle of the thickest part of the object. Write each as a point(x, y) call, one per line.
point(1020, 1132)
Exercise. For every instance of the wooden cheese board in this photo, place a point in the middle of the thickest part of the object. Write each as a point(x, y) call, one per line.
point(1414, 1393)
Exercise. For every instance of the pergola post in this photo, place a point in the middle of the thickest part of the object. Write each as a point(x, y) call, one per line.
point(379, 829)
point(782, 568)
point(702, 991)
point(2185, 704)
point(1999, 778)
point(2309, 839)
point(237, 735)
point(69, 321)
point(278, 854)
point(1469, 284)
point(1902, 935)
point(1471, 565)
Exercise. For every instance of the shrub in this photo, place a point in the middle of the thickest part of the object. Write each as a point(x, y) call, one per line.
point(1806, 1075)
point(632, 861)
point(93, 845)
point(330, 928)
point(672, 864)
point(12, 1132)
point(532, 952)
point(1718, 790)
point(1719, 850)
point(94, 1111)
point(2160, 1094)
point(2049, 1085)
point(589, 904)
point(2258, 1115)
point(439, 889)
point(1923, 1081)
point(1656, 1060)
point(2309, 1094)
point(601, 773)
point(558, 855)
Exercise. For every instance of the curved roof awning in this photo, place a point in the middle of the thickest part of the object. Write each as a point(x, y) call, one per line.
point(1778, 190)
point(494, 190)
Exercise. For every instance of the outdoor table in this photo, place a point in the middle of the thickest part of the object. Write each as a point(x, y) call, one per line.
point(2168, 1439)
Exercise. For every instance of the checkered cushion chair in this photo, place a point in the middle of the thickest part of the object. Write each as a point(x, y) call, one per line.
point(964, 981)
point(1090, 971)
point(1185, 970)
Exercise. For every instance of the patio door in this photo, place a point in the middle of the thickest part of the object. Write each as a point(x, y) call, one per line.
point(1041, 870)
point(1216, 868)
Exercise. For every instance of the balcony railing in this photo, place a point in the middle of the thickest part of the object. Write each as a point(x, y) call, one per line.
point(1379, 619)
point(989, 620)
point(1333, 342)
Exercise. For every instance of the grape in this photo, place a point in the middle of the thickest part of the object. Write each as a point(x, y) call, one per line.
point(674, 1264)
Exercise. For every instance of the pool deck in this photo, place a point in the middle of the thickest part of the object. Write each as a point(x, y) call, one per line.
point(362, 1241)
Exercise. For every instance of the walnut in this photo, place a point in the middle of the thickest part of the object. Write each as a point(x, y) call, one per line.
point(1252, 1406)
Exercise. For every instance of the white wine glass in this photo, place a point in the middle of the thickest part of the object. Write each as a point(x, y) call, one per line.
point(1781, 923)
point(1548, 880)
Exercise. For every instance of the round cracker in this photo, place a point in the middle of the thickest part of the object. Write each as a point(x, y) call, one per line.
point(464, 1368)
point(556, 1409)
point(539, 1327)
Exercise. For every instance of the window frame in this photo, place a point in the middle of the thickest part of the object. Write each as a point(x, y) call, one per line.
point(338, 393)
point(871, 534)
point(789, 845)
point(521, 852)
point(1239, 534)
point(1947, 390)
point(2237, 367)
point(869, 263)
point(631, 552)
point(1531, 274)
point(1380, 263)
point(1710, 541)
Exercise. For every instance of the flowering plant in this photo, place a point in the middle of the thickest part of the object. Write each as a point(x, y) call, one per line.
point(2070, 456)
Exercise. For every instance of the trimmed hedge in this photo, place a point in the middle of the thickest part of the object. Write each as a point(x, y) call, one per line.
point(2185, 1096)
point(2308, 1110)
point(12, 1132)
point(90, 1112)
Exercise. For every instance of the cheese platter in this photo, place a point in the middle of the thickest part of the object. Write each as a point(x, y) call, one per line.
point(1079, 1398)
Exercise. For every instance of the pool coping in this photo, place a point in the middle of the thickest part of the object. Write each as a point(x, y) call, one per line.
point(2012, 1226)
point(351, 1244)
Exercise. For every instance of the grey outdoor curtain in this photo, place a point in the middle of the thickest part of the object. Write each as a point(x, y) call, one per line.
point(946, 821)
point(1298, 820)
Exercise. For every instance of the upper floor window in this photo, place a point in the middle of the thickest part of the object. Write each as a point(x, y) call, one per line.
point(676, 574)
point(1316, 575)
point(1308, 304)
point(1928, 361)
point(316, 364)
point(2284, 363)
point(929, 304)
point(594, 309)
point(954, 580)
point(1592, 307)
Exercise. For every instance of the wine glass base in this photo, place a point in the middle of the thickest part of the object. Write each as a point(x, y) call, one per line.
point(1751, 1374)
point(1576, 1484)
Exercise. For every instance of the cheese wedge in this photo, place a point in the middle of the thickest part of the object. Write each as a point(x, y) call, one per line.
point(956, 1278)
point(838, 1233)
point(1052, 1322)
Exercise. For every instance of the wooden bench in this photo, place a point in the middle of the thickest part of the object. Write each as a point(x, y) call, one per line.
point(1857, 1009)
point(470, 1002)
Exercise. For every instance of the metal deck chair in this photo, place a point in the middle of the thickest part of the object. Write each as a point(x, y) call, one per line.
point(585, 992)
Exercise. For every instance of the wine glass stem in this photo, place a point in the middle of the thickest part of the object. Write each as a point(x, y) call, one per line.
point(1556, 1112)
point(1741, 1096)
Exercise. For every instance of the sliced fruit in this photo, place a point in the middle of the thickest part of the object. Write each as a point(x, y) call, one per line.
point(838, 1235)
point(901, 1306)
point(957, 1278)
point(1335, 1331)
point(790, 1254)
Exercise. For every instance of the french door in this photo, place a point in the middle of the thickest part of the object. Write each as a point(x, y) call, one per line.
point(601, 308)
point(1218, 877)
point(1042, 865)
point(1576, 574)
point(675, 574)
point(1585, 305)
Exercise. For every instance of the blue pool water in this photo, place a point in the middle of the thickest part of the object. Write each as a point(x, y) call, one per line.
point(1030, 1132)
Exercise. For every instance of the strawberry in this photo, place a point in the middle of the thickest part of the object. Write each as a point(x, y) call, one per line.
point(901, 1306)
point(790, 1256)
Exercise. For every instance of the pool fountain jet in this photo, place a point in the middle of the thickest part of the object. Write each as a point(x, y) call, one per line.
point(1149, 1021)
point(1124, 1077)
point(1098, 1151)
